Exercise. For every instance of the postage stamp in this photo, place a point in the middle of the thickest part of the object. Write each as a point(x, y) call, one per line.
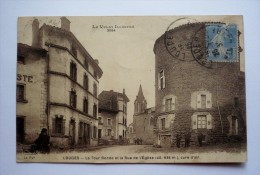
point(221, 42)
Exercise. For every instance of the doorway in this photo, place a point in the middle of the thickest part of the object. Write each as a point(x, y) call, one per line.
point(72, 132)
point(99, 133)
point(20, 130)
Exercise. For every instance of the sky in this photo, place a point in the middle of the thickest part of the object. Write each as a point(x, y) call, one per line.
point(125, 55)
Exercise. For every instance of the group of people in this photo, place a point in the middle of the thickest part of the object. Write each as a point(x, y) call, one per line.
point(187, 138)
point(138, 141)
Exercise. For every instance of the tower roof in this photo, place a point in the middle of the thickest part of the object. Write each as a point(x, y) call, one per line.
point(140, 97)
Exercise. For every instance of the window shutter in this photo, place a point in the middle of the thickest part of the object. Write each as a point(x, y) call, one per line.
point(199, 101)
point(163, 80)
point(173, 103)
point(53, 126)
point(208, 101)
point(209, 121)
point(194, 121)
point(63, 126)
point(159, 82)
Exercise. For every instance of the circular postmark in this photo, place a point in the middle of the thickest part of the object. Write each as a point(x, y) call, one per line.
point(178, 42)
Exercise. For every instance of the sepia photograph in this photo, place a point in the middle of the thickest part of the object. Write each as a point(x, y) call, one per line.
point(131, 89)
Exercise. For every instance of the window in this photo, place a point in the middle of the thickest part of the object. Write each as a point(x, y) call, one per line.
point(168, 104)
point(203, 101)
point(161, 80)
point(99, 119)
point(85, 81)
point(58, 125)
point(86, 63)
point(73, 71)
point(95, 132)
point(85, 105)
point(202, 121)
point(20, 92)
point(95, 89)
point(109, 132)
point(81, 129)
point(21, 59)
point(73, 99)
point(151, 121)
point(95, 110)
point(109, 122)
point(234, 125)
point(163, 123)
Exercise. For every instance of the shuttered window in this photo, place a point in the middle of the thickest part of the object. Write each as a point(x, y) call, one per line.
point(168, 104)
point(202, 121)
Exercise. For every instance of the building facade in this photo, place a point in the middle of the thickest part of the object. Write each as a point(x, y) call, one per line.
point(112, 115)
point(31, 92)
point(71, 82)
point(143, 119)
point(193, 98)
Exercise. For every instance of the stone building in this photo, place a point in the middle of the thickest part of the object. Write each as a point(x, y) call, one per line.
point(130, 133)
point(194, 98)
point(112, 118)
point(31, 92)
point(66, 83)
point(143, 119)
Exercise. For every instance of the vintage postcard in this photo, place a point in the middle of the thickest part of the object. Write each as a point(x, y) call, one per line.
point(153, 89)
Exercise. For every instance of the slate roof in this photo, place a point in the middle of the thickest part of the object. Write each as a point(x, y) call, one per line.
point(108, 100)
point(24, 49)
point(140, 97)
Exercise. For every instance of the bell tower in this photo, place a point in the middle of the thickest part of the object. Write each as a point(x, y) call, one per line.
point(140, 102)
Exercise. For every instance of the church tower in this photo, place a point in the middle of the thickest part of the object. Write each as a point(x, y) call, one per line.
point(140, 102)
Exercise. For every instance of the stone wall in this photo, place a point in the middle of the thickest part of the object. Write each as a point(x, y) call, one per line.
point(222, 83)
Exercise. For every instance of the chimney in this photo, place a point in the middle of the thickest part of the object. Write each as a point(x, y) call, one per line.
point(35, 33)
point(65, 23)
point(123, 91)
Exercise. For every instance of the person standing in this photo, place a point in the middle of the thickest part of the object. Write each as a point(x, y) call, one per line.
point(178, 140)
point(187, 139)
point(42, 143)
point(200, 137)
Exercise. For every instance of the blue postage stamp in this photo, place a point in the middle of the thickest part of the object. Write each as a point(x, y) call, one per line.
point(221, 42)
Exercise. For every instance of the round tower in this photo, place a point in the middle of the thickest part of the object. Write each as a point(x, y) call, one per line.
point(192, 94)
